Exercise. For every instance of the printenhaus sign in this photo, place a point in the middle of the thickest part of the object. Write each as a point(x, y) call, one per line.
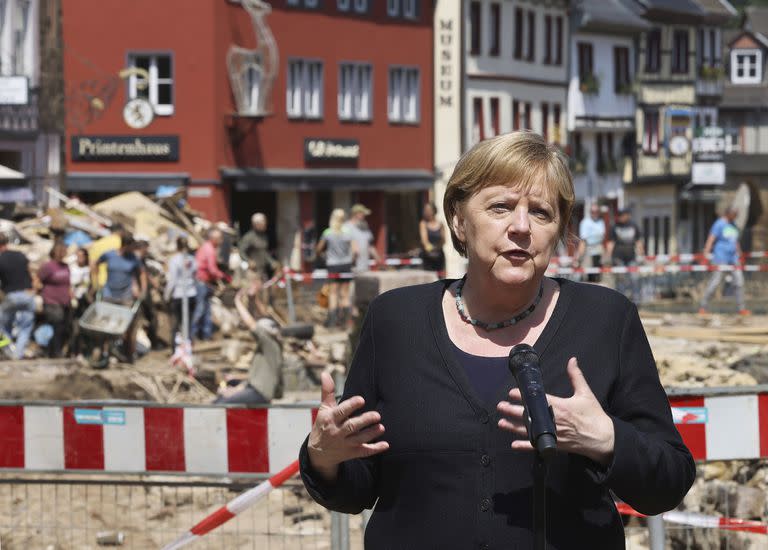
point(125, 148)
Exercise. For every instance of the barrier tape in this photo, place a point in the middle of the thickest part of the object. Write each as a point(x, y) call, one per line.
point(234, 507)
point(555, 269)
point(671, 258)
point(656, 269)
point(694, 519)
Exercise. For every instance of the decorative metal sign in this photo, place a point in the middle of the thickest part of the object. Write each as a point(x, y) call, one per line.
point(125, 148)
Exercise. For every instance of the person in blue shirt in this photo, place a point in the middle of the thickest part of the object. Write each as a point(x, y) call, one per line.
point(723, 244)
point(592, 235)
point(126, 282)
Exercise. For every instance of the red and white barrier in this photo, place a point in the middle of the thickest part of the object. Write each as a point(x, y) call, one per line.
point(723, 427)
point(234, 507)
point(694, 519)
point(131, 439)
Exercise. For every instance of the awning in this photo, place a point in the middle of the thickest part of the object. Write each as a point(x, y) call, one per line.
point(15, 194)
point(8, 174)
point(286, 179)
point(115, 182)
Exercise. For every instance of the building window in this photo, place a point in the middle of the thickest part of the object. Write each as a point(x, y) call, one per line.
point(621, 79)
point(746, 66)
point(680, 51)
point(547, 39)
point(252, 85)
point(159, 89)
point(515, 114)
point(410, 9)
point(360, 6)
point(651, 132)
point(475, 31)
point(478, 130)
point(556, 123)
point(545, 121)
point(586, 68)
point(355, 91)
point(19, 62)
point(304, 90)
point(311, 4)
point(653, 51)
point(531, 35)
point(558, 40)
point(494, 29)
point(407, 8)
point(495, 116)
point(404, 94)
point(518, 50)
point(527, 116)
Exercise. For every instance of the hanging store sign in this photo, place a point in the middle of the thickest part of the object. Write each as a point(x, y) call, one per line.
point(318, 149)
point(125, 148)
point(14, 90)
point(709, 148)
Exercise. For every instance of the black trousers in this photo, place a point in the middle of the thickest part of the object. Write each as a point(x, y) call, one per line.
point(597, 261)
point(59, 317)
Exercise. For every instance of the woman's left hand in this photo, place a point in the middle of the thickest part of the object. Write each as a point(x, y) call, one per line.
point(582, 425)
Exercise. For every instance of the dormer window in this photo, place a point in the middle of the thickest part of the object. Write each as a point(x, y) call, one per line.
point(746, 66)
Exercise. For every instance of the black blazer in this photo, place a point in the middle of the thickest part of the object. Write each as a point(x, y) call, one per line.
point(450, 478)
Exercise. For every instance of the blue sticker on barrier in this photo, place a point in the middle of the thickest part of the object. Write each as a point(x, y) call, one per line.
point(689, 415)
point(97, 416)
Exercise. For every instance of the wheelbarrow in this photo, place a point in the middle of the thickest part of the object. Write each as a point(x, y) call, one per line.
point(105, 324)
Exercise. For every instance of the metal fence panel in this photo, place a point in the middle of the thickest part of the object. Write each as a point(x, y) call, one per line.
point(46, 512)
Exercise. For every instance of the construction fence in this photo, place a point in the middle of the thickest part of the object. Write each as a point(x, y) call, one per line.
point(141, 475)
point(77, 512)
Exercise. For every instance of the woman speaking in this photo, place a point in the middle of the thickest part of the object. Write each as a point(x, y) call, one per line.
point(430, 431)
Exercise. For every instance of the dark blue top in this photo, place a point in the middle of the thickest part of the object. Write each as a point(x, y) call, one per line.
point(120, 272)
point(486, 374)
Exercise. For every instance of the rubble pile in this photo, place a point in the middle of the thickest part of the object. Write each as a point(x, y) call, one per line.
point(715, 351)
point(160, 221)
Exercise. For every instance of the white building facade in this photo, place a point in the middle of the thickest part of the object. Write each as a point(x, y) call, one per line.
point(29, 158)
point(516, 68)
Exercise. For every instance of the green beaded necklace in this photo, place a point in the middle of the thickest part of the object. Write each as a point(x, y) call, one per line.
point(493, 326)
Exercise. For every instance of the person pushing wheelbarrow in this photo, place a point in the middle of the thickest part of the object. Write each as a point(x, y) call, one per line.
point(125, 285)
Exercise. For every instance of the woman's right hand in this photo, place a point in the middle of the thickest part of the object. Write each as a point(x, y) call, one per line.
point(337, 436)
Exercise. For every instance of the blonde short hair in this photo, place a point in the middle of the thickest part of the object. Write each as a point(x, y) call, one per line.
point(518, 159)
point(337, 219)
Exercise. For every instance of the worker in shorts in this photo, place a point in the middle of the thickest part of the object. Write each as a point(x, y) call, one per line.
point(126, 282)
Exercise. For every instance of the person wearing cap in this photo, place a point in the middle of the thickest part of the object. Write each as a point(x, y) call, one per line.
point(625, 244)
point(357, 226)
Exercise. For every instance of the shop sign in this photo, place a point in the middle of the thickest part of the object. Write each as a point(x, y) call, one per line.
point(709, 148)
point(14, 90)
point(125, 148)
point(319, 149)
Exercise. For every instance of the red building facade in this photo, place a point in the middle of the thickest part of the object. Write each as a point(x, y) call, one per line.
point(292, 111)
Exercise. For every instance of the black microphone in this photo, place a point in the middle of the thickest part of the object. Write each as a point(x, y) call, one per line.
point(539, 420)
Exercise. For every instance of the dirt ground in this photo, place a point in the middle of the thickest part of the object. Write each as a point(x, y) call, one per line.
point(690, 351)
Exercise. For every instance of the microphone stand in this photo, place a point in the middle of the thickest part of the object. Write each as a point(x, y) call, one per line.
point(545, 449)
